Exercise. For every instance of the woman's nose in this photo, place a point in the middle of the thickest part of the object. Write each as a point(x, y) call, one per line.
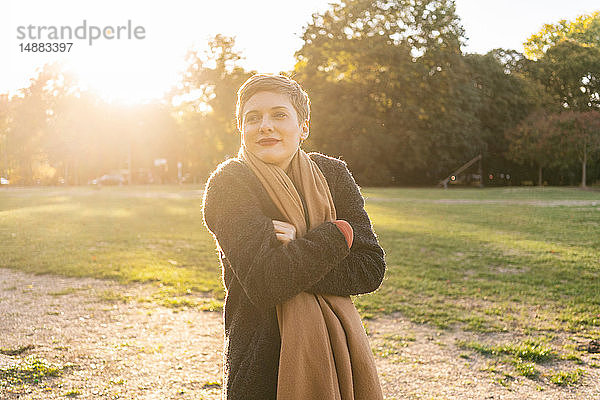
point(266, 125)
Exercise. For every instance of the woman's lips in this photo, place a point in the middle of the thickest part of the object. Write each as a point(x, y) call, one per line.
point(268, 142)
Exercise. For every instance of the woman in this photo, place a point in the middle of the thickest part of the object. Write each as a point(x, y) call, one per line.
point(294, 242)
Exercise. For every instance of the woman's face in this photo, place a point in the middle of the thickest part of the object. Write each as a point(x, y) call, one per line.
point(270, 128)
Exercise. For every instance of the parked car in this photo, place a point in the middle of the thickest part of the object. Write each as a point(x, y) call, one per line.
point(108, 179)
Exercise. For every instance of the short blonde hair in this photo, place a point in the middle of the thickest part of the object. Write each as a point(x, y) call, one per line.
point(273, 83)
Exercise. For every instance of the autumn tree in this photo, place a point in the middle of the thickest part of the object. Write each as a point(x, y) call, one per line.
point(29, 112)
point(72, 129)
point(535, 141)
point(567, 56)
point(205, 104)
point(389, 90)
point(584, 30)
point(571, 73)
point(557, 140)
point(360, 107)
point(4, 124)
point(505, 96)
point(579, 134)
point(565, 59)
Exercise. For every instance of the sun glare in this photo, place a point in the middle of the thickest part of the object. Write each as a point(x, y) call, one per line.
point(131, 71)
point(117, 76)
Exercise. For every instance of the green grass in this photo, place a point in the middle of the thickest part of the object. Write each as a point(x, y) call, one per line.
point(16, 351)
point(528, 350)
point(499, 259)
point(66, 291)
point(563, 378)
point(72, 393)
point(526, 368)
point(115, 232)
point(525, 358)
point(28, 370)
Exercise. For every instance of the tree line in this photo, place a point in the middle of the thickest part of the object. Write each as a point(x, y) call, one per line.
point(392, 94)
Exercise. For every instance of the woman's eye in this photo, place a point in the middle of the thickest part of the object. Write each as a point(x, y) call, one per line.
point(251, 118)
point(280, 115)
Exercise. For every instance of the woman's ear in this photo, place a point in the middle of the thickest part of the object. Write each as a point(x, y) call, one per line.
point(305, 130)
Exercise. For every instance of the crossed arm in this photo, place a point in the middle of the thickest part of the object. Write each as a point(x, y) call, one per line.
point(319, 262)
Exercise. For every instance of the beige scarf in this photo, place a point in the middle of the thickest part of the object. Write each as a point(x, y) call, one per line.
point(325, 353)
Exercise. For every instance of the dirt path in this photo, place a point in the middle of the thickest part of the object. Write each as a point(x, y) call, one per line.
point(140, 350)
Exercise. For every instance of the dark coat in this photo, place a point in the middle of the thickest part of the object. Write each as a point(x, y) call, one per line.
point(259, 272)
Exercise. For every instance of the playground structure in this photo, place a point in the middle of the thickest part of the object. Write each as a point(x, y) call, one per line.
point(453, 176)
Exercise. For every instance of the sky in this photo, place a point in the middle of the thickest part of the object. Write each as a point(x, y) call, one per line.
point(267, 33)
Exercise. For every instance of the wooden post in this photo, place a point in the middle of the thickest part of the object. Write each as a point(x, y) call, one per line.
point(480, 172)
point(584, 166)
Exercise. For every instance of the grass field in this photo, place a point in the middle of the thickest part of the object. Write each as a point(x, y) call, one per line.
point(506, 259)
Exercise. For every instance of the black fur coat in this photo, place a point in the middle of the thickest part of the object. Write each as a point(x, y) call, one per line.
point(259, 272)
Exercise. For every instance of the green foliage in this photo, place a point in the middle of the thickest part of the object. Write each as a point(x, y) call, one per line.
point(567, 56)
point(585, 29)
point(524, 357)
point(579, 134)
point(506, 96)
point(571, 74)
point(389, 89)
point(391, 93)
point(27, 128)
point(557, 140)
point(531, 351)
point(391, 347)
point(534, 141)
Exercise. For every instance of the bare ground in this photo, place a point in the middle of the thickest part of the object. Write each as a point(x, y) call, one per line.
point(111, 349)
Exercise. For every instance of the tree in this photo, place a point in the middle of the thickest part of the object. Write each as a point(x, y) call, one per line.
point(555, 140)
point(4, 124)
point(579, 134)
point(566, 61)
point(28, 113)
point(389, 90)
point(584, 30)
point(205, 105)
point(571, 73)
point(72, 139)
point(534, 141)
point(357, 101)
point(506, 95)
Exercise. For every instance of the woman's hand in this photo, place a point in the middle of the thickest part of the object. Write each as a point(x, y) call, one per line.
point(285, 232)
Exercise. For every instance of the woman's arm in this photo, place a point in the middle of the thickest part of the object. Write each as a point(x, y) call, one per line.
point(268, 271)
point(363, 269)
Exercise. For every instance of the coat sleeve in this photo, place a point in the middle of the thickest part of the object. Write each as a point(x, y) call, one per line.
point(363, 269)
point(268, 271)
